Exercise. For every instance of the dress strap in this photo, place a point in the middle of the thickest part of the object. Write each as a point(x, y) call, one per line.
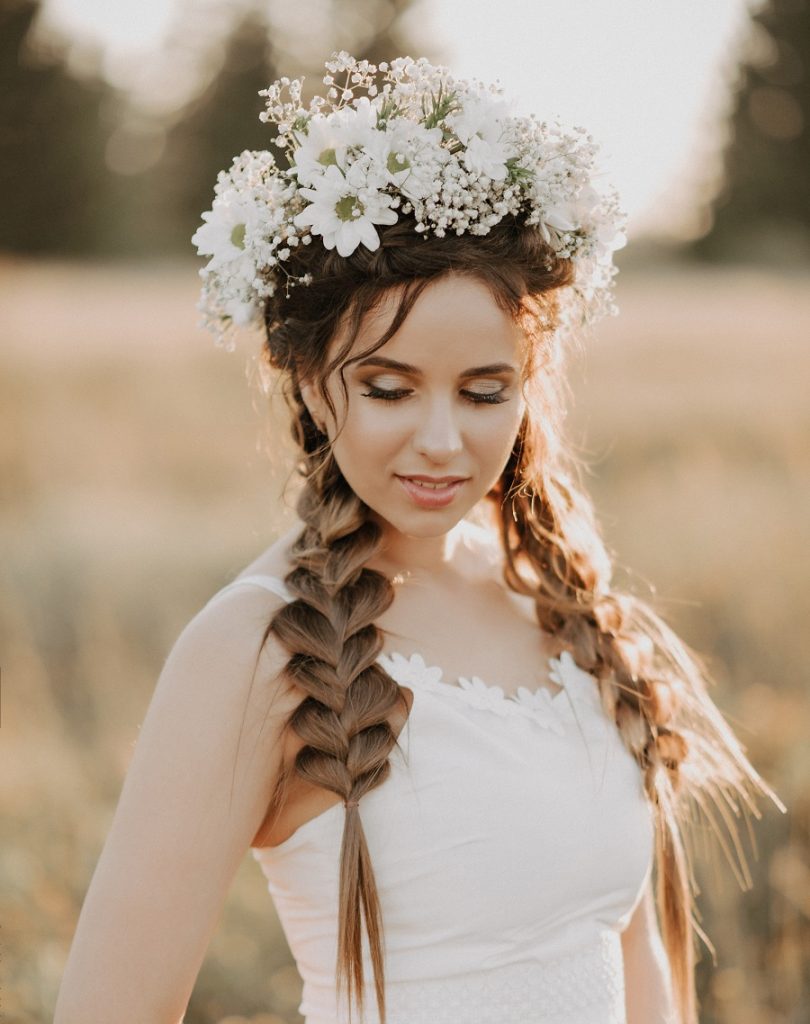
point(272, 583)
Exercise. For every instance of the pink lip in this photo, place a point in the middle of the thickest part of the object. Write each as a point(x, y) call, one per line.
point(432, 497)
point(434, 479)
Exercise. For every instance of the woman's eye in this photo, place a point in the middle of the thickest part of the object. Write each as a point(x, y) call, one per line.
point(475, 397)
point(494, 397)
point(384, 393)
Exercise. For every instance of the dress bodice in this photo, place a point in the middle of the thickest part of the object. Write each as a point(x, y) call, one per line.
point(510, 843)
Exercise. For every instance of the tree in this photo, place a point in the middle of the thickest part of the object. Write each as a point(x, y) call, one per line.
point(52, 138)
point(220, 122)
point(763, 208)
point(224, 119)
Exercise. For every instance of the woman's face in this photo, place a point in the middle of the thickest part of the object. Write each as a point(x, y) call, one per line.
point(441, 399)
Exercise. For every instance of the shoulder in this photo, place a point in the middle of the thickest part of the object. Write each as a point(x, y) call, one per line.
point(225, 654)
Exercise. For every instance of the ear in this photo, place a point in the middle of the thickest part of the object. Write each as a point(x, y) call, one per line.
point(315, 404)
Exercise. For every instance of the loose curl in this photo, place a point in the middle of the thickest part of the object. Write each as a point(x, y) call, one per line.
point(651, 685)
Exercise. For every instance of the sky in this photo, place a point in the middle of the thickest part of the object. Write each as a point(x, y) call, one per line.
point(649, 79)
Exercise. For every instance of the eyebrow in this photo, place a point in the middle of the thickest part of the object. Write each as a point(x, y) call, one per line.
point(414, 371)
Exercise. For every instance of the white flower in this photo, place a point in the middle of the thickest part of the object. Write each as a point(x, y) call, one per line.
point(408, 156)
point(480, 126)
point(328, 139)
point(481, 695)
point(222, 236)
point(480, 115)
point(541, 704)
point(579, 684)
point(489, 158)
point(344, 215)
point(410, 671)
point(240, 311)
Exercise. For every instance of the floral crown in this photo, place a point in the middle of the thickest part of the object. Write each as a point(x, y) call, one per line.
point(401, 138)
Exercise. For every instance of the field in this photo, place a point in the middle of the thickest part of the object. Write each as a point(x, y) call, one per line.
point(140, 468)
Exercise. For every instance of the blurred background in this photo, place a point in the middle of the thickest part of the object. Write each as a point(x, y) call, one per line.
point(141, 468)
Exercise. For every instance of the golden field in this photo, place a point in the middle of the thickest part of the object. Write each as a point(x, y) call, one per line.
point(141, 468)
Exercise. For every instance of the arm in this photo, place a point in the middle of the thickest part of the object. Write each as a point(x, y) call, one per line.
point(647, 980)
point(188, 811)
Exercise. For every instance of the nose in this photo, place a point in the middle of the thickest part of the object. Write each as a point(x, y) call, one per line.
point(438, 436)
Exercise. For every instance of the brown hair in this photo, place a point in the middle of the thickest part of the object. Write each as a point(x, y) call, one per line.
point(651, 684)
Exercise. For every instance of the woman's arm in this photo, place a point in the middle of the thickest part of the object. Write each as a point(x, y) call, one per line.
point(188, 811)
point(647, 980)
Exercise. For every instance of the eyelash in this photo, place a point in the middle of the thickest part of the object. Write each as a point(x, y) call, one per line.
point(393, 395)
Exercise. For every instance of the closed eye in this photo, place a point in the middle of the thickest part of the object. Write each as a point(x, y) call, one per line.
point(474, 397)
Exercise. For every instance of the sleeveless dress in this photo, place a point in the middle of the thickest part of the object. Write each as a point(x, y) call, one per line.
point(511, 844)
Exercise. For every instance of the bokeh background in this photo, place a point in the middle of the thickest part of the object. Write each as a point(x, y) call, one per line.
point(141, 467)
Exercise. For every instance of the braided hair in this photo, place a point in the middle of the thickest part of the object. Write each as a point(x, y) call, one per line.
point(651, 685)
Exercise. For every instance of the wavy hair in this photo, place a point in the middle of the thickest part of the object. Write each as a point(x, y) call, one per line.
point(651, 684)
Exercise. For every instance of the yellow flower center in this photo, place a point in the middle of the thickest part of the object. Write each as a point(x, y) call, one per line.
point(349, 208)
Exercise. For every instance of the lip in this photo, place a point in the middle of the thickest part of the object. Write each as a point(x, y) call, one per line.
point(433, 497)
point(432, 479)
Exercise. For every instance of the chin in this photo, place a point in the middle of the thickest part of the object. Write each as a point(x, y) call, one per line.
point(421, 522)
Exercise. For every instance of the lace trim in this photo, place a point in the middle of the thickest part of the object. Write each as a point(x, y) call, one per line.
point(539, 704)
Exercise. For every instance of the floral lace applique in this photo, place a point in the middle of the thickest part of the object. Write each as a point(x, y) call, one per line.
point(411, 670)
point(579, 684)
point(540, 705)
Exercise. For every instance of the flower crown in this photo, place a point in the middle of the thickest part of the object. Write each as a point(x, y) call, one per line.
point(401, 138)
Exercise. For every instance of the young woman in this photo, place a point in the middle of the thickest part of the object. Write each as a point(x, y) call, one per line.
point(462, 759)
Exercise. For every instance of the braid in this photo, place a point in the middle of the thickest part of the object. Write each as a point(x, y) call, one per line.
point(343, 720)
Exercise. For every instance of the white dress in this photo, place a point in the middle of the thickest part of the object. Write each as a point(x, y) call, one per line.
point(510, 844)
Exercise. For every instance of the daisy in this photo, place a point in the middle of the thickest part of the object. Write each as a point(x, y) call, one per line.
point(343, 215)
point(328, 140)
point(222, 236)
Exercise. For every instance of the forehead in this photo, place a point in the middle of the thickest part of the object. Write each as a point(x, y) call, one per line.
point(454, 323)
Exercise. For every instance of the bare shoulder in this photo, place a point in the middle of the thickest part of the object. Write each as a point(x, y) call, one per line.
point(232, 629)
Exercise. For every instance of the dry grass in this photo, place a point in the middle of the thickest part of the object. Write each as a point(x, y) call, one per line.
point(135, 479)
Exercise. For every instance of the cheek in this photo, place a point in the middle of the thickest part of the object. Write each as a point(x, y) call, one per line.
point(493, 432)
point(371, 436)
point(380, 423)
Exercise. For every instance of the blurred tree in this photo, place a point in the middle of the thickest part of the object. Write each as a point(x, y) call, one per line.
point(383, 27)
point(209, 131)
point(763, 209)
point(85, 170)
point(223, 119)
point(53, 177)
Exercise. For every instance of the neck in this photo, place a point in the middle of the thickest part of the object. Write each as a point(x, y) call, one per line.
point(403, 557)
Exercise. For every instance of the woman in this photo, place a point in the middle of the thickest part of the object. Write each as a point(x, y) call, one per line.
point(456, 751)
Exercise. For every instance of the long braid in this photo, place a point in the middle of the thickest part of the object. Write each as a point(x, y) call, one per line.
point(343, 720)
